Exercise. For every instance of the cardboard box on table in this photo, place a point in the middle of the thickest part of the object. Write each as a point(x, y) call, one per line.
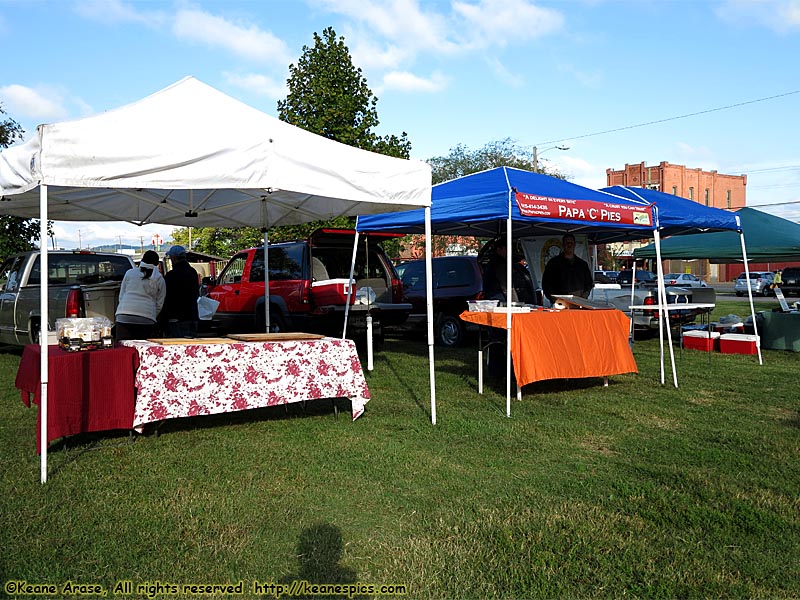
point(737, 343)
point(701, 340)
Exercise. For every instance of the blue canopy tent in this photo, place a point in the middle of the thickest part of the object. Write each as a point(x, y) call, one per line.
point(481, 204)
point(521, 203)
point(677, 215)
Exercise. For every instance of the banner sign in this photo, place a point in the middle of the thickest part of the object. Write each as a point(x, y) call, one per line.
point(532, 205)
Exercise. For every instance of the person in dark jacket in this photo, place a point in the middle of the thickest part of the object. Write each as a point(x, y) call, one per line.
point(567, 274)
point(179, 315)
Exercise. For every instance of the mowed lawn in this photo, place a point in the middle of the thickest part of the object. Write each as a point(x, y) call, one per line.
point(637, 489)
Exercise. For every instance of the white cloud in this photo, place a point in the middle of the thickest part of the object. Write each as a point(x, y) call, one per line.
point(401, 22)
point(392, 34)
point(246, 41)
point(503, 74)
point(782, 16)
point(590, 79)
point(40, 104)
point(699, 157)
point(117, 11)
point(579, 170)
point(408, 82)
point(255, 83)
point(500, 22)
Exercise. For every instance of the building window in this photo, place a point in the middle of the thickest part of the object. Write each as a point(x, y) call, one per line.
point(674, 190)
point(708, 195)
point(728, 198)
point(691, 194)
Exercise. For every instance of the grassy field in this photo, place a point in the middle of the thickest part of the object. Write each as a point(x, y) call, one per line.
point(634, 490)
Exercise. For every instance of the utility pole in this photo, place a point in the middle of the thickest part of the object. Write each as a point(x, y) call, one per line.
point(536, 155)
point(141, 242)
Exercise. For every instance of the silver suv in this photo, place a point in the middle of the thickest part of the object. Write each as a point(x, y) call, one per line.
point(760, 283)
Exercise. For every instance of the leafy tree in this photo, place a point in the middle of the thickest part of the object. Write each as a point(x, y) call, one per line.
point(463, 161)
point(328, 96)
point(10, 130)
point(17, 234)
point(501, 153)
point(226, 241)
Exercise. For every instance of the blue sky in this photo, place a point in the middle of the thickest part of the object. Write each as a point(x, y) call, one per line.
point(450, 72)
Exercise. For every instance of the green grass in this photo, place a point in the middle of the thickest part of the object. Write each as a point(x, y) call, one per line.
point(637, 489)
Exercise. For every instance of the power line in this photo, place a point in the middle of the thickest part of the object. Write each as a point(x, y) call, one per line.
point(694, 114)
point(774, 204)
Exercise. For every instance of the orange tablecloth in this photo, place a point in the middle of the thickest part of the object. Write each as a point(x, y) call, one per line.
point(564, 344)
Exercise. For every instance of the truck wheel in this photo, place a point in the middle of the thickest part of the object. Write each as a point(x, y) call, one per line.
point(276, 323)
point(35, 331)
point(450, 331)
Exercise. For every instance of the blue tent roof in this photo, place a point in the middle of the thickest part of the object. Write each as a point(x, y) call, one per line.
point(767, 238)
point(676, 215)
point(478, 204)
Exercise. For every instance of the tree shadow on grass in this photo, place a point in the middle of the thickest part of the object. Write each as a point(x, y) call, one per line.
point(319, 551)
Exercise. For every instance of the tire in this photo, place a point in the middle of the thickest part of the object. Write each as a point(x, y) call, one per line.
point(277, 324)
point(450, 331)
point(740, 294)
point(35, 332)
point(766, 291)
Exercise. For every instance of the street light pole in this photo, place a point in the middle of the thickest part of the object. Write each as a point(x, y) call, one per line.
point(536, 155)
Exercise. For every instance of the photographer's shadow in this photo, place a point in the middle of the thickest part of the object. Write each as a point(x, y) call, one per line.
point(319, 551)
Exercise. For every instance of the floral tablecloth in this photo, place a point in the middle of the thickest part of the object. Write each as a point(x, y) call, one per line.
point(202, 379)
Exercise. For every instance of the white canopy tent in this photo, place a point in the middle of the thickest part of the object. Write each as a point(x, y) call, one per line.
point(159, 160)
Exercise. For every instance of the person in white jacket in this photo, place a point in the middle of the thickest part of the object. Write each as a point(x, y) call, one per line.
point(140, 300)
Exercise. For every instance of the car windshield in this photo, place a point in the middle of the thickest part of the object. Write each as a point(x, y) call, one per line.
point(672, 275)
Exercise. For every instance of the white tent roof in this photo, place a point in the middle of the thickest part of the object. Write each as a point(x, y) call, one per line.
point(190, 149)
point(191, 156)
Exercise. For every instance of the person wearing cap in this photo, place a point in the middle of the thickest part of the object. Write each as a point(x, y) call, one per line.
point(179, 316)
point(567, 274)
point(141, 297)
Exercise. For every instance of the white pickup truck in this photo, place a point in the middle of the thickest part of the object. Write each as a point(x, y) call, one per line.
point(622, 297)
point(80, 284)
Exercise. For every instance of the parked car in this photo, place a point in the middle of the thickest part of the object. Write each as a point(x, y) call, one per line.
point(308, 284)
point(760, 283)
point(456, 280)
point(612, 275)
point(684, 280)
point(624, 277)
point(791, 281)
point(603, 277)
point(80, 283)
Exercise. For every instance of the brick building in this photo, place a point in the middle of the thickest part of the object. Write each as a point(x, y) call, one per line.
point(706, 187)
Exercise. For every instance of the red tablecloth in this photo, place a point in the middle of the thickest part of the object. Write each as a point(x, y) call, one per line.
point(565, 344)
point(87, 391)
point(202, 379)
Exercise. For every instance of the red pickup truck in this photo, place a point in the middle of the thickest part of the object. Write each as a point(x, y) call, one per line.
point(308, 283)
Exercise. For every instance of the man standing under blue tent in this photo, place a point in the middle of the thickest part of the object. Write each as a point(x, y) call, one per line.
point(567, 274)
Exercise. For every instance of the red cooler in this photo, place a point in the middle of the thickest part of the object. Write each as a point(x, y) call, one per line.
point(701, 340)
point(737, 343)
